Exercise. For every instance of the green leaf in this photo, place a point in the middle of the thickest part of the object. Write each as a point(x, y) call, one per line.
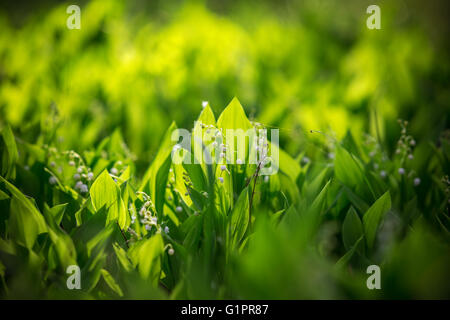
point(198, 199)
point(122, 258)
point(146, 256)
point(373, 217)
point(360, 204)
point(105, 193)
point(233, 117)
point(207, 116)
point(239, 217)
point(287, 164)
point(62, 242)
point(345, 259)
point(24, 225)
point(26, 221)
point(196, 174)
point(192, 229)
point(155, 178)
point(350, 144)
point(3, 195)
point(57, 212)
point(347, 168)
point(160, 186)
point(11, 155)
point(111, 282)
point(352, 229)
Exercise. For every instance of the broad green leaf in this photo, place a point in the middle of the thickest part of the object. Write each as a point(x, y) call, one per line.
point(287, 164)
point(233, 117)
point(111, 282)
point(290, 219)
point(352, 229)
point(155, 178)
point(25, 219)
point(10, 155)
point(373, 217)
point(207, 116)
point(126, 175)
point(347, 168)
point(160, 186)
point(345, 259)
point(350, 144)
point(99, 241)
point(62, 242)
point(23, 224)
point(57, 212)
point(180, 183)
point(235, 125)
point(360, 204)
point(122, 258)
point(239, 217)
point(202, 135)
point(196, 174)
point(198, 199)
point(146, 256)
point(3, 195)
point(91, 272)
point(192, 229)
point(105, 193)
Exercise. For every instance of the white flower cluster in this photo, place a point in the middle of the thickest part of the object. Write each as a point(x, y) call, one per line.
point(406, 142)
point(261, 146)
point(148, 218)
point(82, 178)
point(148, 215)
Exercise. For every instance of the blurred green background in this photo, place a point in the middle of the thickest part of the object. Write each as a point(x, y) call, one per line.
point(136, 66)
point(298, 65)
